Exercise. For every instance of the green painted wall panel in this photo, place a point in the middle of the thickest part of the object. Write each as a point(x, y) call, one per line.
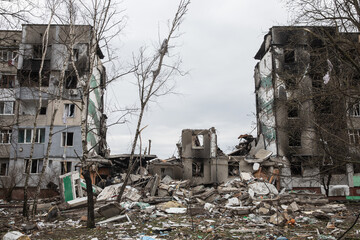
point(266, 82)
point(356, 181)
point(68, 189)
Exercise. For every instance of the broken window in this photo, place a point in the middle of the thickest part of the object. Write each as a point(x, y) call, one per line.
point(295, 167)
point(6, 108)
point(198, 141)
point(70, 81)
point(65, 167)
point(354, 136)
point(5, 136)
point(318, 69)
point(31, 78)
point(42, 111)
point(295, 138)
point(293, 110)
point(233, 168)
point(76, 54)
point(67, 139)
point(70, 110)
point(197, 169)
point(36, 165)
point(289, 56)
point(37, 51)
point(4, 166)
point(354, 109)
point(7, 81)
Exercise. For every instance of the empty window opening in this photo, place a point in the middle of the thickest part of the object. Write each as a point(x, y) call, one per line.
point(70, 81)
point(233, 168)
point(7, 81)
point(66, 167)
point(354, 136)
point(70, 110)
point(31, 78)
point(36, 165)
point(198, 169)
point(67, 139)
point(4, 168)
point(295, 139)
point(354, 109)
point(293, 111)
point(289, 56)
point(5, 136)
point(37, 51)
point(7, 108)
point(43, 111)
point(198, 141)
point(75, 54)
point(296, 168)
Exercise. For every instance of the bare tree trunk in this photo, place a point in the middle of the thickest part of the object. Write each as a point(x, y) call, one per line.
point(46, 160)
point(28, 166)
point(150, 82)
point(131, 161)
point(90, 198)
point(45, 41)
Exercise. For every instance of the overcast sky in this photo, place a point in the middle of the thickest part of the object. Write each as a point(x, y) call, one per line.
point(219, 41)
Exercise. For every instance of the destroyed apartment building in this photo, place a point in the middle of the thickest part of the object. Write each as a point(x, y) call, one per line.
point(269, 187)
point(25, 101)
point(308, 108)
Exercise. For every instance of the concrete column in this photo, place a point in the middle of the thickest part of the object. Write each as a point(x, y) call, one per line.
point(350, 174)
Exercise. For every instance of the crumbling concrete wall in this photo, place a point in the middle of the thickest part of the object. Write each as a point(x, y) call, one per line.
point(199, 156)
point(265, 101)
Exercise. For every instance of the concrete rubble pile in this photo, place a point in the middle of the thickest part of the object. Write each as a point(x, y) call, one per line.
point(246, 198)
point(235, 197)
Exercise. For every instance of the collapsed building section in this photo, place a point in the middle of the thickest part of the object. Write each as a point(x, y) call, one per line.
point(202, 162)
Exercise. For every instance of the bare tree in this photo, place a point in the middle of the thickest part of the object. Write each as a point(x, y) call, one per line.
point(11, 181)
point(13, 13)
point(44, 47)
point(103, 31)
point(153, 76)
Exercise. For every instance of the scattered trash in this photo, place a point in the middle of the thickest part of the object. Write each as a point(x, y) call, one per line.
point(15, 235)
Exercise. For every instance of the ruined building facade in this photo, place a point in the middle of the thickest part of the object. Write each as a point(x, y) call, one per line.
point(25, 100)
point(307, 101)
